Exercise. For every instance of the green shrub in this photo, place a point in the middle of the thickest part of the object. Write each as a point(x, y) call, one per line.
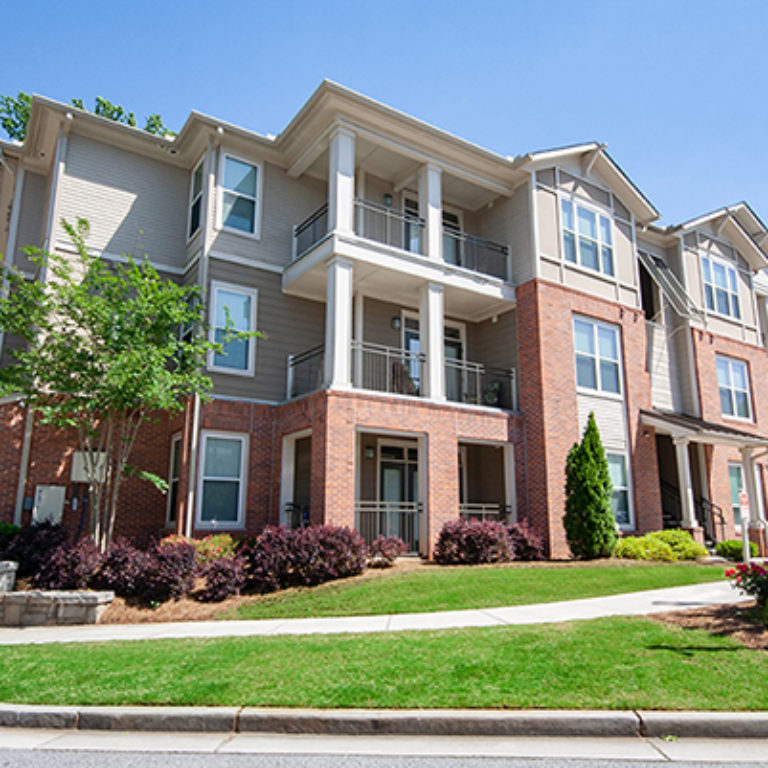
point(733, 549)
point(682, 543)
point(589, 524)
point(646, 547)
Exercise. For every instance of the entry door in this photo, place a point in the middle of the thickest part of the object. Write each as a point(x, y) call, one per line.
point(454, 350)
point(399, 487)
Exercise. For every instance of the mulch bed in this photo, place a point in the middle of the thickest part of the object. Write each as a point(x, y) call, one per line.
point(740, 621)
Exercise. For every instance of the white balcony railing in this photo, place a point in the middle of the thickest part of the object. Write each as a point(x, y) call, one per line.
point(389, 518)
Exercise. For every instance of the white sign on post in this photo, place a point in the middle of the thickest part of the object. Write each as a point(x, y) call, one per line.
point(744, 505)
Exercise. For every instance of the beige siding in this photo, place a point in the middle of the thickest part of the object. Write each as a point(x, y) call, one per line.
point(286, 202)
point(377, 322)
point(592, 284)
point(624, 254)
point(610, 417)
point(494, 344)
point(547, 223)
point(291, 325)
point(32, 217)
point(134, 204)
point(659, 367)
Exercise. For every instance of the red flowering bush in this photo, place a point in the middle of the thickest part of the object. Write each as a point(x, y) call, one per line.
point(751, 579)
point(385, 550)
point(470, 542)
point(215, 546)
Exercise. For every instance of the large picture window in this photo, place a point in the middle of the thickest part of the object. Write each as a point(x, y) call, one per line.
point(222, 480)
point(587, 237)
point(233, 308)
point(721, 287)
point(597, 355)
point(240, 192)
point(733, 382)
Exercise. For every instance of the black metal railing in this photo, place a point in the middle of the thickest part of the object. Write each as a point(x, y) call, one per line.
point(711, 518)
point(475, 383)
point(390, 226)
point(386, 369)
point(389, 518)
point(306, 371)
point(476, 253)
point(313, 229)
point(499, 513)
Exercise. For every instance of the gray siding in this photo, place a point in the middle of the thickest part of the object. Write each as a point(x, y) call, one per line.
point(134, 204)
point(286, 202)
point(494, 344)
point(291, 325)
point(32, 217)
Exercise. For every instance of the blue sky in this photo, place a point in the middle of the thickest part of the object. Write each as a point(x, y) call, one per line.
point(675, 88)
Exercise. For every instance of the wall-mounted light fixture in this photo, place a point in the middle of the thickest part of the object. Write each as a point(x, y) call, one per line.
point(370, 452)
point(396, 323)
point(387, 199)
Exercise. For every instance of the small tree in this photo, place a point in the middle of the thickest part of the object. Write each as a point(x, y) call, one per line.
point(103, 352)
point(589, 523)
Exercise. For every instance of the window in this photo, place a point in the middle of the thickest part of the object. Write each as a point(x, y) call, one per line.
point(174, 470)
point(597, 355)
point(587, 238)
point(240, 191)
point(617, 468)
point(222, 480)
point(234, 309)
point(733, 381)
point(721, 291)
point(195, 200)
point(736, 477)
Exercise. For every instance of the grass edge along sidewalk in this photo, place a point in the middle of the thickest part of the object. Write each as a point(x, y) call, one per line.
point(610, 664)
point(452, 588)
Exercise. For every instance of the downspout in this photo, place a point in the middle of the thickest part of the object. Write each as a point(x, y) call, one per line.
point(26, 444)
point(194, 448)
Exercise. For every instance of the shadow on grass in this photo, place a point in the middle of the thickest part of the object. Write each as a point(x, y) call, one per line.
point(692, 650)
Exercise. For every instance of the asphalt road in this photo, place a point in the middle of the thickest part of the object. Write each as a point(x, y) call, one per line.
point(105, 759)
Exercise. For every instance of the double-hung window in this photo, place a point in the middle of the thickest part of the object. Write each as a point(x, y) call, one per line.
point(240, 183)
point(222, 481)
point(195, 200)
point(587, 237)
point(174, 472)
point(597, 355)
point(736, 479)
point(232, 309)
point(721, 287)
point(733, 382)
point(617, 468)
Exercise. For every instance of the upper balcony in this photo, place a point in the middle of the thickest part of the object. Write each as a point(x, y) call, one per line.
point(404, 221)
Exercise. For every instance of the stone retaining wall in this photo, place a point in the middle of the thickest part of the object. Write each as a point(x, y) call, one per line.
point(38, 608)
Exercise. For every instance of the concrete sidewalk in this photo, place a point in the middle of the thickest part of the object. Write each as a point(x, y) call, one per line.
point(630, 604)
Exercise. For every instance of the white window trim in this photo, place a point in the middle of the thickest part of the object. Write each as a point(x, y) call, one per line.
point(599, 211)
point(732, 389)
point(728, 265)
point(191, 200)
point(175, 440)
point(217, 285)
point(239, 524)
point(630, 526)
point(734, 507)
point(598, 392)
point(220, 189)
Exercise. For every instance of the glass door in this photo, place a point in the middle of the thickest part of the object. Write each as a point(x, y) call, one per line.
point(399, 490)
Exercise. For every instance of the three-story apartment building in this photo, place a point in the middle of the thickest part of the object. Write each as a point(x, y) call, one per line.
point(439, 321)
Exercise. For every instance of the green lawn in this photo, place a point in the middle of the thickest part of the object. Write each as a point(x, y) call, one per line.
point(612, 663)
point(454, 588)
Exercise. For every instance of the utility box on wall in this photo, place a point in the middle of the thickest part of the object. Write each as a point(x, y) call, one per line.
point(49, 503)
point(78, 467)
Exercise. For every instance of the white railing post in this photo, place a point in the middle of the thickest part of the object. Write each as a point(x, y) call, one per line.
point(289, 378)
point(294, 245)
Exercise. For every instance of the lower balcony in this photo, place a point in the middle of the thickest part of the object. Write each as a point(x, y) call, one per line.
point(397, 371)
point(389, 518)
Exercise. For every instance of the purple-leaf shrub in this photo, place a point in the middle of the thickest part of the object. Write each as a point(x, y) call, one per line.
point(170, 572)
point(470, 542)
point(385, 550)
point(123, 568)
point(224, 576)
point(32, 546)
point(526, 543)
point(69, 566)
point(323, 553)
point(269, 559)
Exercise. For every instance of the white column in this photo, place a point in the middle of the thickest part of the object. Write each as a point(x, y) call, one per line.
point(748, 461)
point(338, 323)
point(510, 495)
point(431, 210)
point(423, 522)
point(685, 483)
point(341, 181)
point(357, 377)
point(431, 340)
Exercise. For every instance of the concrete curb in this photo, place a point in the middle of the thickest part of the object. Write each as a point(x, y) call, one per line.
point(595, 724)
